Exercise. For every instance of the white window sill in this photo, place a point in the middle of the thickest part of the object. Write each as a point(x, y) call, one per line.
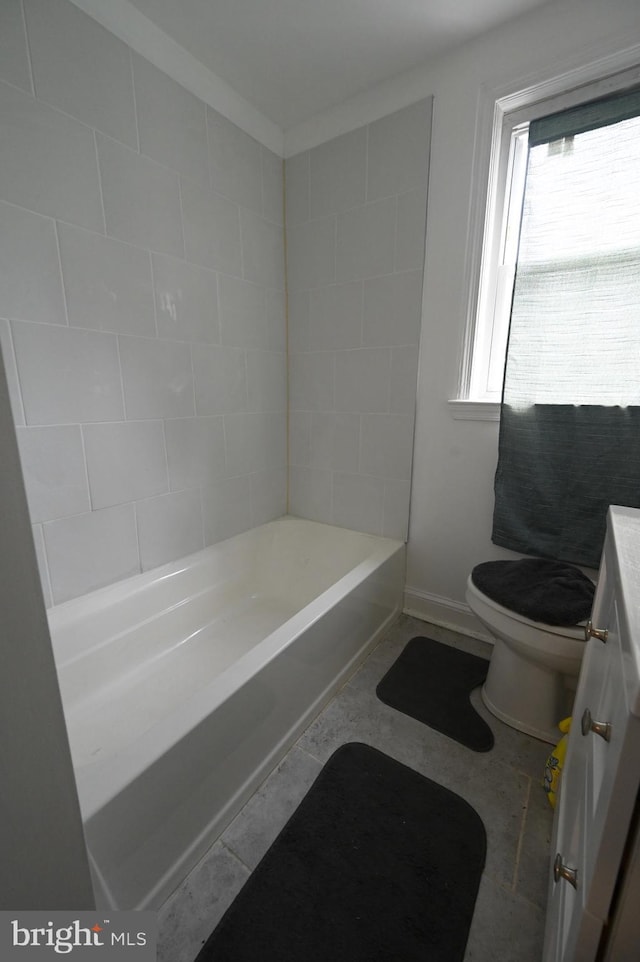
point(467, 410)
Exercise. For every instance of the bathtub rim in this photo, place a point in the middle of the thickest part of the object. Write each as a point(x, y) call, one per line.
point(59, 616)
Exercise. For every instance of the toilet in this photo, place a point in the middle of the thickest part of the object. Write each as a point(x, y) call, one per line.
point(534, 667)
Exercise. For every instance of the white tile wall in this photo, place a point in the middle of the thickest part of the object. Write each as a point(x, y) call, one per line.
point(142, 309)
point(356, 211)
point(226, 508)
point(157, 378)
point(211, 229)
point(126, 461)
point(398, 151)
point(195, 451)
point(311, 253)
point(186, 300)
point(81, 68)
point(108, 284)
point(55, 473)
point(48, 161)
point(67, 375)
point(169, 526)
point(366, 238)
point(172, 123)
point(242, 313)
point(31, 282)
point(14, 59)
point(335, 316)
point(362, 380)
point(142, 316)
point(235, 162)
point(392, 309)
point(337, 170)
point(90, 550)
point(8, 356)
point(220, 375)
point(141, 198)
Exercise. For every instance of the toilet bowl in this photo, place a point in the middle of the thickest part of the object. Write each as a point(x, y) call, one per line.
point(533, 670)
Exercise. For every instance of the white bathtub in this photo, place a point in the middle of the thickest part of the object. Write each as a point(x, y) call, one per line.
point(184, 686)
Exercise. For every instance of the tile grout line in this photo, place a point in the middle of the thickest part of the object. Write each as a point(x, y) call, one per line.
point(233, 853)
point(525, 810)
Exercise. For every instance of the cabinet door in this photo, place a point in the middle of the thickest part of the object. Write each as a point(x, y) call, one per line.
point(598, 787)
point(572, 931)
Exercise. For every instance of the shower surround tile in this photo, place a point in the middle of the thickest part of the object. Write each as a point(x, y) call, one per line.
point(126, 461)
point(337, 174)
point(54, 471)
point(311, 253)
point(297, 188)
point(169, 527)
point(186, 300)
point(172, 122)
point(13, 383)
point(356, 212)
point(31, 277)
point(157, 378)
point(75, 566)
point(242, 313)
point(47, 161)
point(268, 491)
point(143, 239)
point(262, 249)
point(67, 375)
point(226, 508)
point(393, 310)
point(211, 229)
point(365, 241)
point(141, 199)
point(108, 285)
point(398, 152)
point(14, 60)
point(220, 375)
point(195, 451)
point(235, 162)
point(65, 44)
point(272, 186)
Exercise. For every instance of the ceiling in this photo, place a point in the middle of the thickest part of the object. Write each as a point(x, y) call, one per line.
point(292, 59)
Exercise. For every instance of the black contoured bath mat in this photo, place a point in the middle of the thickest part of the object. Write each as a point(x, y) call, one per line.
point(377, 863)
point(432, 682)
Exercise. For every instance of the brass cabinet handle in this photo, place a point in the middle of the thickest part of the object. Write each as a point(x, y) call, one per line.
point(591, 632)
point(560, 870)
point(599, 728)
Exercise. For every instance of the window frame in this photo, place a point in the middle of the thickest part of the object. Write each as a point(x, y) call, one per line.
point(499, 112)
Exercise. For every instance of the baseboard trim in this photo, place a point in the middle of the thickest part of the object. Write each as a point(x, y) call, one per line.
point(444, 612)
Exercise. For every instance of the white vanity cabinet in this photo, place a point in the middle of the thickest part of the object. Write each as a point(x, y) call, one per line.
point(594, 893)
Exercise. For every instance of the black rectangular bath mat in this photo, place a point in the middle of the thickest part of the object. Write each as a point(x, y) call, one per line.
point(377, 863)
point(432, 683)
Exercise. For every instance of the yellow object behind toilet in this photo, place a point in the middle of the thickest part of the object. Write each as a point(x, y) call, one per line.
point(555, 761)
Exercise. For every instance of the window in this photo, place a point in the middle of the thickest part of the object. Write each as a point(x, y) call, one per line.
point(499, 273)
point(569, 440)
point(574, 332)
point(491, 282)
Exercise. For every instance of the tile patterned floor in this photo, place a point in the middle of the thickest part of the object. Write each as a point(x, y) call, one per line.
point(504, 786)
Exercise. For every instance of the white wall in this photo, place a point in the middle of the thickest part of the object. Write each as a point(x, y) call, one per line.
point(142, 312)
point(454, 461)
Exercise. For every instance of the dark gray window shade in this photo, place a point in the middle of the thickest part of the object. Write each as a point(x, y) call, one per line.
point(569, 429)
point(587, 116)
